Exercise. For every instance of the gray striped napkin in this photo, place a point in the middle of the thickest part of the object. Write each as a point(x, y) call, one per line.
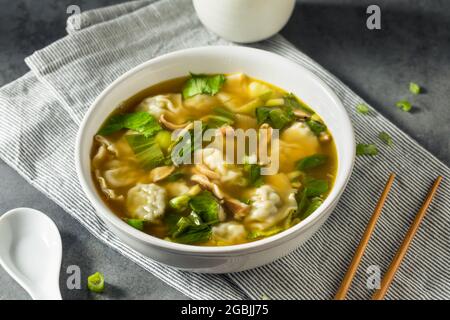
point(41, 111)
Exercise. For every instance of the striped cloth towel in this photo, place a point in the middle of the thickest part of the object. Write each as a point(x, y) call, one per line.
point(40, 114)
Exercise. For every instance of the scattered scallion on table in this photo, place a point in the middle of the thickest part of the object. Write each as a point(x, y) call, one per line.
point(362, 108)
point(366, 149)
point(96, 282)
point(404, 105)
point(386, 138)
point(414, 88)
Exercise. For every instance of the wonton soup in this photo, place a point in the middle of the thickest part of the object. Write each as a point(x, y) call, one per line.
point(155, 167)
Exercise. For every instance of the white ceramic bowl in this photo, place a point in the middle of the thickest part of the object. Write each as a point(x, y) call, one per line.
point(220, 59)
point(244, 21)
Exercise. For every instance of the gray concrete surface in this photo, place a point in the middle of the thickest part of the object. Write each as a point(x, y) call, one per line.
point(413, 45)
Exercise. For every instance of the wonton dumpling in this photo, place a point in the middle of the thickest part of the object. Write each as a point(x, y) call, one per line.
point(146, 201)
point(231, 96)
point(201, 104)
point(257, 89)
point(111, 150)
point(112, 172)
point(296, 142)
point(110, 193)
point(268, 208)
point(121, 176)
point(235, 83)
point(214, 160)
point(280, 183)
point(161, 104)
point(175, 189)
point(229, 232)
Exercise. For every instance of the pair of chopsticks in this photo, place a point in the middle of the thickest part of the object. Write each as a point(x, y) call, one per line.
point(395, 264)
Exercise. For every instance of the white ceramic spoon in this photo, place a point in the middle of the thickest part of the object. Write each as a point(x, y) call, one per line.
point(31, 251)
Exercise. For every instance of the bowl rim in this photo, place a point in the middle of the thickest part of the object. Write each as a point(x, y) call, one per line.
point(344, 169)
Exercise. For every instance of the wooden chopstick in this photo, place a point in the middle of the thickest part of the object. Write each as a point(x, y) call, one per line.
point(348, 278)
point(395, 264)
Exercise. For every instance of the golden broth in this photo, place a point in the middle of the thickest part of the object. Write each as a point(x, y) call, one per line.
point(115, 170)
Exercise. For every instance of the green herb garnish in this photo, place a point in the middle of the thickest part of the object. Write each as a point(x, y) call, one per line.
point(386, 138)
point(180, 203)
point(280, 118)
point(316, 126)
point(224, 112)
point(147, 151)
point(215, 121)
point(195, 234)
point(314, 204)
point(366, 149)
point(164, 140)
point(316, 187)
point(203, 84)
point(414, 88)
point(135, 223)
point(312, 162)
point(404, 105)
point(302, 202)
point(276, 117)
point(206, 206)
point(290, 100)
point(188, 229)
point(141, 122)
point(221, 117)
point(264, 233)
point(175, 176)
point(362, 108)
point(96, 282)
point(253, 172)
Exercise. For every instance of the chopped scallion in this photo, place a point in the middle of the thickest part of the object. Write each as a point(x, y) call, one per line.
point(404, 105)
point(414, 88)
point(135, 223)
point(366, 150)
point(362, 108)
point(96, 282)
point(386, 138)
